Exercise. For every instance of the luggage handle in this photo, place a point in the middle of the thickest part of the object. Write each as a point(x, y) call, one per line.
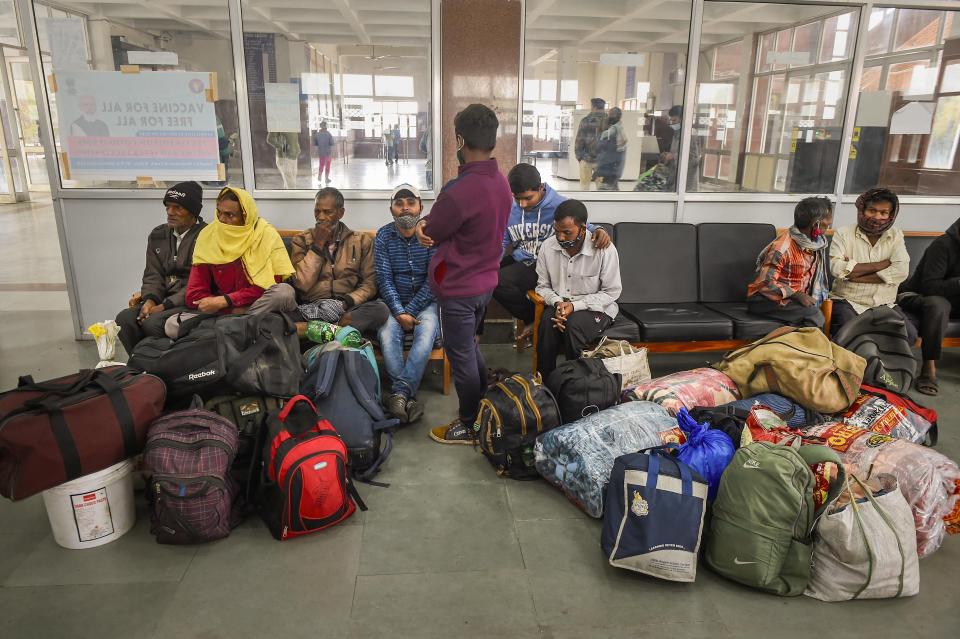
point(866, 541)
point(282, 416)
point(819, 455)
point(653, 472)
point(185, 327)
point(262, 340)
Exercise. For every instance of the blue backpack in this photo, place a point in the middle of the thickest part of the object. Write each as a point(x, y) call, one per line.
point(344, 388)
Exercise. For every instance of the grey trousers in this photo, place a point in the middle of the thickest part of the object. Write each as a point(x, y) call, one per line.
point(279, 297)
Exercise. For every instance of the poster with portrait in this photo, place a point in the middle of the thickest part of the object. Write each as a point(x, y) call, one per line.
point(124, 126)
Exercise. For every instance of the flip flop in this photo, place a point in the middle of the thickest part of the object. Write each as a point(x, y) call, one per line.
point(927, 385)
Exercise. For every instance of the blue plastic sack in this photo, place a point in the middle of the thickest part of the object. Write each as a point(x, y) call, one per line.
point(706, 450)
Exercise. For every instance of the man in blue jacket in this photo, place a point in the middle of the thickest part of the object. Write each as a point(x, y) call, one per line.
point(529, 226)
point(401, 264)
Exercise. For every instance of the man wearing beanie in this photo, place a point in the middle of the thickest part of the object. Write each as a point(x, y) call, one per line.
point(169, 256)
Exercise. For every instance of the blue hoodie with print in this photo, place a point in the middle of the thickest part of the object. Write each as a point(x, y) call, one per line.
point(527, 230)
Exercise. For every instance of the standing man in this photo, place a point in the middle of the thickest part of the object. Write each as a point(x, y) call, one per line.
point(529, 226)
point(585, 144)
point(869, 260)
point(402, 265)
point(933, 294)
point(335, 274)
point(579, 285)
point(324, 141)
point(672, 157)
point(466, 223)
point(397, 140)
point(169, 256)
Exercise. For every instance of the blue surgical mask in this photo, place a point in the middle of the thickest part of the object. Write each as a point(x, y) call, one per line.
point(675, 127)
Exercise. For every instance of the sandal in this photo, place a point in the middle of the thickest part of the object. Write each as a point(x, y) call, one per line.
point(927, 385)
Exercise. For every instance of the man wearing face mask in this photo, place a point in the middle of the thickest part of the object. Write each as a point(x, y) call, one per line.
point(335, 276)
point(466, 223)
point(671, 157)
point(791, 280)
point(869, 260)
point(401, 264)
point(530, 224)
point(580, 287)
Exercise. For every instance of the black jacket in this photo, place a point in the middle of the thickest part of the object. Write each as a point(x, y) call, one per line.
point(167, 270)
point(938, 272)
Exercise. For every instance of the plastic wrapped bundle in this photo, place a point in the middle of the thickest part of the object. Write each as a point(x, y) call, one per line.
point(880, 416)
point(686, 389)
point(929, 481)
point(578, 457)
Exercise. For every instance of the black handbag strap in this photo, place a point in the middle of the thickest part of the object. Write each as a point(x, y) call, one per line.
point(186, 326)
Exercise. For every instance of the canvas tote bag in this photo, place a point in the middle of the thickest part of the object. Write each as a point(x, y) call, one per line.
point(620, 356)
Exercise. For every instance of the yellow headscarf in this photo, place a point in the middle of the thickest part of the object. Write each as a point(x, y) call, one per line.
point(257, 242)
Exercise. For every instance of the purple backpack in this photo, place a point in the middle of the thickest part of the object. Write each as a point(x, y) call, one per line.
point(187, 458)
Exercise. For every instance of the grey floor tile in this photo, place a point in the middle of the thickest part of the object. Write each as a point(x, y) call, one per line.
point(642, 629)
point(83, 612)
point(494, 604)
point(250, 585)
point(540, 500)
point(26, 516)
point(16, 548)
point(418, 460)
point(438, 528)
point(135, 557)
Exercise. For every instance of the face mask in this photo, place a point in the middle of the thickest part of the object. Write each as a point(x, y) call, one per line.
point(406, 222)
point(571, 243)
point(816, 233)
point(460, 159)
point(675, 127)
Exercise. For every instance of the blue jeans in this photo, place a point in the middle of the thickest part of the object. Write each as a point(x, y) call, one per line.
point(406, 376)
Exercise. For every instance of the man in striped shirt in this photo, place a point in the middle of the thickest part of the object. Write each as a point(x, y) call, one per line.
point(401, 267)
point(791, 279)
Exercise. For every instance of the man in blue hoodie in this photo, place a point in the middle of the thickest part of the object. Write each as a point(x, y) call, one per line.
point(466, 223)
point(530, 225)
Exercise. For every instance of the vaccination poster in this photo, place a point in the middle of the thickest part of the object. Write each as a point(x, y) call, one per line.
point(124, 126)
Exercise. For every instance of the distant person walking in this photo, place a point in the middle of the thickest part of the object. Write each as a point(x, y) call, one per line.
point(324, 141)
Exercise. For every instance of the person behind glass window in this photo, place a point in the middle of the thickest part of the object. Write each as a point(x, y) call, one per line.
point(585, 143)
point(611, 150)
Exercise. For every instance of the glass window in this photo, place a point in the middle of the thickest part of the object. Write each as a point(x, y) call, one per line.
point(146, 102)
point(9, 33)
point(907, 119)
point(793, 103)
point(339, 94)
point(630, 63)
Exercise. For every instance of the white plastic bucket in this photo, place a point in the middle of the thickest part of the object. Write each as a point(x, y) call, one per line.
point(92, 510)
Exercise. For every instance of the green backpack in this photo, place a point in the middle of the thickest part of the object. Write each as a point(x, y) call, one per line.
point(761, 533)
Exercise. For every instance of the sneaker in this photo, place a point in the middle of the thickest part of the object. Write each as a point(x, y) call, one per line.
point(414, 410)
point(397, 406)
point(456, 432)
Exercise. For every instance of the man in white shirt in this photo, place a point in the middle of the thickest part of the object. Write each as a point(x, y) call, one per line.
point(580, 286)
point(869, 261)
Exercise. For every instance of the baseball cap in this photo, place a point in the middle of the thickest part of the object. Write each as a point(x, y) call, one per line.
point(405, 190)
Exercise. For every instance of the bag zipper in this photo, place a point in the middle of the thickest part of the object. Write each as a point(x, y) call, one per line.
point(163, 442)
point(516, 400)
point(533, 404)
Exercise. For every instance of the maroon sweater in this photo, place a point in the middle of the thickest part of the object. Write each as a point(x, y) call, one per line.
point(467, 222)
point(230, 280)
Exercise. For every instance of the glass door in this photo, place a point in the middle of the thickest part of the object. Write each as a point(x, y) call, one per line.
point(33, 155)
point(12, 178)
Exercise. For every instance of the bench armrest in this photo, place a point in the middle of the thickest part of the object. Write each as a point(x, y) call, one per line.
point(827, 309)
point(538, 305)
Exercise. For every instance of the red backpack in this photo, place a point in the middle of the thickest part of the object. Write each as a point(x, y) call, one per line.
point(305, 485)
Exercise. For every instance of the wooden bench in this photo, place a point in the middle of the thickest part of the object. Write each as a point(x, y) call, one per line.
point(436, 355)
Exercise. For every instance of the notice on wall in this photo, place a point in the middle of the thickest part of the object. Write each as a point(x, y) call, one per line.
point(874, 108)
point(68, 44)
point(123, 126)
point(283, 107)
point(914, 118)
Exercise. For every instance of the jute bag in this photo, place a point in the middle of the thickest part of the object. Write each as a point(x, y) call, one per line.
point(866, 549)
point(798, 363)
point(620, 356)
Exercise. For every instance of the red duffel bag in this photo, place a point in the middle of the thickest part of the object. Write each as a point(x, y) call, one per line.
point(64, 428)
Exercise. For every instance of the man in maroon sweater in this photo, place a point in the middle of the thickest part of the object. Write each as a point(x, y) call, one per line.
point(466, 224)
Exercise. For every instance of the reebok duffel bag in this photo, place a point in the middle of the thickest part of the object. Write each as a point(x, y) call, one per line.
point(64, 428)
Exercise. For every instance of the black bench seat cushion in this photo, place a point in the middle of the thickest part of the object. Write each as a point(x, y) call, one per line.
point(678, 322)
point(746, 325)
point(623, 328)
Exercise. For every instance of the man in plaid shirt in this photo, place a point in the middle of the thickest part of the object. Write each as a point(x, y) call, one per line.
point(791, 279)
point(401, 267)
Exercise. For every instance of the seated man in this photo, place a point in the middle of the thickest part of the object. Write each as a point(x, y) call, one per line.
point(579, 285)
point(869, 260)
point(239, 264)
point(933, 293)
point(169, 255)
point(335, 274)
point(530, 224)
point(791, 279)
point(401, 264)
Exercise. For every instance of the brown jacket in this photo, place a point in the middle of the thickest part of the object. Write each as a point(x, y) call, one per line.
point(351, 273)
point(167, 269)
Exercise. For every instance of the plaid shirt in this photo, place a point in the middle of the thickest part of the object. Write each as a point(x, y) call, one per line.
point(401, 265)
point(782, 270)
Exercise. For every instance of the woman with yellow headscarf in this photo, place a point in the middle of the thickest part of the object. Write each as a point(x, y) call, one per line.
point(239, 263)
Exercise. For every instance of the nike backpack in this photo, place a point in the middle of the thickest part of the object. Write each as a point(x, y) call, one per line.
point(761, 532)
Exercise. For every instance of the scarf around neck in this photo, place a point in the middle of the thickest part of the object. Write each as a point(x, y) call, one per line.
point(819, 286)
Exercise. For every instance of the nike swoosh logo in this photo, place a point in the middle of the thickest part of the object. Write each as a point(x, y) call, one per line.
point(742, 563)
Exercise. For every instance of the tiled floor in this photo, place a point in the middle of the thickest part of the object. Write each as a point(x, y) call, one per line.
point(448, 550)
point(369, 173)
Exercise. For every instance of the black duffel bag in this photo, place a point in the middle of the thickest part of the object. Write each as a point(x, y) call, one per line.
point(225, 354)
point(879, 335)
point(583, 387)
